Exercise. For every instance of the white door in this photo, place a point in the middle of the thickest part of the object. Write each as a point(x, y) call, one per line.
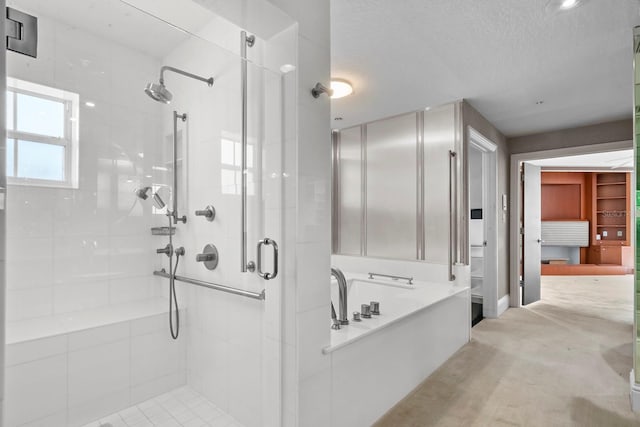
point(532, 234)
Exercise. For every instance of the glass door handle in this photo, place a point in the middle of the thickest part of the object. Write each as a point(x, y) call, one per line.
point(269, 242)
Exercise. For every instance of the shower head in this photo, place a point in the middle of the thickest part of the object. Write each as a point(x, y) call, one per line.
point(143, 194)
point(159, 92)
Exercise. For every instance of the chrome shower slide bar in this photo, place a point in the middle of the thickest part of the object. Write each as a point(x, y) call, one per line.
point(211, 285)
point(244, 42)
point(408, 279)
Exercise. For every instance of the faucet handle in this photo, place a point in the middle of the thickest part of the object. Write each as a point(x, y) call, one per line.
point(356, 316)
point(365, 309)
point(375, 307)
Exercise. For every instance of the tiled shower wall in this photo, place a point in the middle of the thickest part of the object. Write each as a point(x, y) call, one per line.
point(76, 249)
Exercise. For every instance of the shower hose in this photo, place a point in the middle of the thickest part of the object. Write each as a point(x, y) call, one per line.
point(173, 301)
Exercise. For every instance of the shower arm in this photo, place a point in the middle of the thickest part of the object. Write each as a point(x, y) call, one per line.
point(164, 68)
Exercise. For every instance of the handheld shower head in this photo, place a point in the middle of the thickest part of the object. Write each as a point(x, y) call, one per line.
point(143, 194)
point(158, 202)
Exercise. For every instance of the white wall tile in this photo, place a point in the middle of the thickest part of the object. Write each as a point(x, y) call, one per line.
point(30, 263)
point(80, 296)
point(29, 303)
point(33, 389)
point(315, 399)
point(313, 335)
point(128, 289)
point(156, 354)
point(29, 351)
point(108, 366)
point(98, 336)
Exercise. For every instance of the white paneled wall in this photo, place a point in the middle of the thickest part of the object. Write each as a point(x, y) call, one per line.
point(74, 378)
point(78, 249)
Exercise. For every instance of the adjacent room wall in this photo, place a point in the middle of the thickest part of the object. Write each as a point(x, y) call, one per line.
point(620, 130)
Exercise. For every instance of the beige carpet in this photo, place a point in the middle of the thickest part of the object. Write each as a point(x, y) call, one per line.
point(563, 361)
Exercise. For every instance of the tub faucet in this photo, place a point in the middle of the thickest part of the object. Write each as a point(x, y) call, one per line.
point(342, 293)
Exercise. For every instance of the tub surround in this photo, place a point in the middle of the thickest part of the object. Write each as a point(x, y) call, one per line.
point(420, 326)
point(399, 356)
point(398, 302)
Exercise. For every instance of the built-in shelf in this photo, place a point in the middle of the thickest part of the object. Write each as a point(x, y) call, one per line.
point(612, 226)
point(611, 183)
point(611, 197)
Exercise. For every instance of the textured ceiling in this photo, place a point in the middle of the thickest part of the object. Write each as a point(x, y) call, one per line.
point(503, 56)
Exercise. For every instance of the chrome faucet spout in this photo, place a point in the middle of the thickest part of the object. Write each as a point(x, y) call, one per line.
point(342, 294)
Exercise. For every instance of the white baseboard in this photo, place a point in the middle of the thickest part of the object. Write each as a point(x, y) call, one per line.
point(634, 393)
point(503, 304)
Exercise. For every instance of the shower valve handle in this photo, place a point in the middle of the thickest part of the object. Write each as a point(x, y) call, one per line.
point(209, 213)
point(209, 257)
point(167, 250)
point(205, 257)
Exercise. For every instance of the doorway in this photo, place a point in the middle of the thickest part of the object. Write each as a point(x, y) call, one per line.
point(483, 225)
point(573, 244)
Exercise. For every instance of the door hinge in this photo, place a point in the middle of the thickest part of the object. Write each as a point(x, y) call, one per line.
point(21, 32)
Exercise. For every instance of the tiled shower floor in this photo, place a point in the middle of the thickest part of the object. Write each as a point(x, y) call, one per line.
point(179, 407)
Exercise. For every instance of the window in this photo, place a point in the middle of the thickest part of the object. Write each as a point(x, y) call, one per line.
point(231, 173)
point(42, 135)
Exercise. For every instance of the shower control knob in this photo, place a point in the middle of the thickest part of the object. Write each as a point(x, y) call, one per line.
point(356, 316)
point(209, 257)
point(167, 250)
point(209, 213)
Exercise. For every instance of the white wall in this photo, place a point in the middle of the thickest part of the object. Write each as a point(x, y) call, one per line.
point(75, 249)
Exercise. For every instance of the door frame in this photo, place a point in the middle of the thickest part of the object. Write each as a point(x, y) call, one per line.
point(489, 152)
point(515, 195)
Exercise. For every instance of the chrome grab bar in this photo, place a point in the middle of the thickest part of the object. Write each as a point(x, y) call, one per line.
point(244, 42)
point(274, 273)
point(210, 285)
point(408, 279)
point(452, 215)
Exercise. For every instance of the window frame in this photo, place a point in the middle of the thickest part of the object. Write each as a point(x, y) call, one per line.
point(69, 141)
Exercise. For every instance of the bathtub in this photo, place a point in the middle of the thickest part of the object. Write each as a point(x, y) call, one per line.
point(378, 361)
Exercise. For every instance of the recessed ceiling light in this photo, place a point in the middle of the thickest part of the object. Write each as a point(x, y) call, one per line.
point(341, 88)
point(90, 104)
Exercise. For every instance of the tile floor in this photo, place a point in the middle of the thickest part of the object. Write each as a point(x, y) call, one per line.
point(182, 407)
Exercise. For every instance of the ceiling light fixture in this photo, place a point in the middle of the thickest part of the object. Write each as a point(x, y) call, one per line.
point(555, 6)
point(340, 88)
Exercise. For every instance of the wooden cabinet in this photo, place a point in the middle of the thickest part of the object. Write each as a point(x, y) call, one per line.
point(611, 255)
point(610, 204)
